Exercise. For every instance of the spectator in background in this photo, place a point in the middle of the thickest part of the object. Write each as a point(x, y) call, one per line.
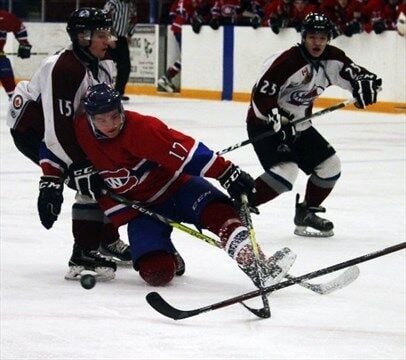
point(301, 8)
point(380, 15)
point(277, 13)
point(237, 12)
point(345, 16)
point(124, 15)
point(183, 12)
point(11, 23)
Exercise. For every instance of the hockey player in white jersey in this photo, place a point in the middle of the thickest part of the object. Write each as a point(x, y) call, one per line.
point(44, 109)
point(286, 90)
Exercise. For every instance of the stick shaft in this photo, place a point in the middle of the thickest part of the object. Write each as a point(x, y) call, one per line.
point(294, 122)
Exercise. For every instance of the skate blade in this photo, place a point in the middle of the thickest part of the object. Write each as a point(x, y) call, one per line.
point(100, 273)
point(118, 261)
point(303, 231)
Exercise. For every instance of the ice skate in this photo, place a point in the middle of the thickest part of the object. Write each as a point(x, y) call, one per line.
point(165, 84)
point(118, 251)
point(272, 270)
point(83, 260)
point(308, 223)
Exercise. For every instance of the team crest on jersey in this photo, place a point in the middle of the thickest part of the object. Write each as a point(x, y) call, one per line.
point(306, 98)
point(17, 102)
point(121, 180)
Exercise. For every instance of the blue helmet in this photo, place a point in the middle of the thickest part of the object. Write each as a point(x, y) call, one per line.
point(316, 23)
point(102, 98)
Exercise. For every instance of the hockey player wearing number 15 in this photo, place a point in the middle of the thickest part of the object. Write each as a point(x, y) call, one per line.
point(289, 84)
point(142, 159)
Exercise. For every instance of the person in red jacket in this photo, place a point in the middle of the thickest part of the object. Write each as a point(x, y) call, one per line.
point(380, 15)
point(11, 23)
point(140, 158)
point(345, 16)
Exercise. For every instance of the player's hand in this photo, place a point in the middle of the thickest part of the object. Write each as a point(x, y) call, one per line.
point(255, 21)
point(50, 200)
point(87, 180)
point(24, 51)
point(197, 22)
point(365, 89)
point(214, 23)
point(278, 117)
point(238, 182)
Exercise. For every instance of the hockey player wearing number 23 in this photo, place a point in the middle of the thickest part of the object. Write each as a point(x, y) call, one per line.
point(290, 82)
point(142, 159)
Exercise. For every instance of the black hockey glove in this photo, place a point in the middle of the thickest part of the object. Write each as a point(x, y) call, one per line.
point(24, 51)
point(351, 28)
point(237, 183)
point(197, 22)
point(255, 21)
point(214, 23)
point(50, 200)
point(365, 89)
point(379, 26)
point(87, 180)
point(276, 25)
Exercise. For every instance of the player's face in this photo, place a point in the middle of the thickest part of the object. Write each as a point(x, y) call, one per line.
point(315, 43)
point(100, 43)
point(109, 123)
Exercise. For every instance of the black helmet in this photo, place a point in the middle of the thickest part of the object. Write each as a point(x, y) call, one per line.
point(316, 22)
point(87, 19)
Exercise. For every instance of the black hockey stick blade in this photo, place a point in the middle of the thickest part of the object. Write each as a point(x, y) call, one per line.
point(263, 313)
point(160, 305)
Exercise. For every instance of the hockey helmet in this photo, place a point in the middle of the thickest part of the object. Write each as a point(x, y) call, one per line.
point(316, 23)
point(100, 99)
point(88, 19)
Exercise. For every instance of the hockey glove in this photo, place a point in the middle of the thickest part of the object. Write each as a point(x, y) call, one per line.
point(237, 183)
point(379, 26)
point(365, 89)
point(214, 23)
point(87, 180)
point(351, 28)
point(255, 21)
point(278, 117)
point(24, 51)
point(197, 22)
point(50, 200)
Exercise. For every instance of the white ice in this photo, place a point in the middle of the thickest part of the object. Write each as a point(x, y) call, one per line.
point(44, 316)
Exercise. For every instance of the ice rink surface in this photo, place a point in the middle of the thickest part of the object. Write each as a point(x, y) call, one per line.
point(44, 316)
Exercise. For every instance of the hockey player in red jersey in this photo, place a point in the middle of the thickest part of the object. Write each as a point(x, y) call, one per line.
point(11, 23)
point(290, 82)
point(142, 159)
point(43, 109)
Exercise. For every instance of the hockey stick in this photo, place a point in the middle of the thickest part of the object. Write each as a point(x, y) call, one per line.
point(163, 307)
point(337, 283)
point(294, 122)
point(264, 312)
